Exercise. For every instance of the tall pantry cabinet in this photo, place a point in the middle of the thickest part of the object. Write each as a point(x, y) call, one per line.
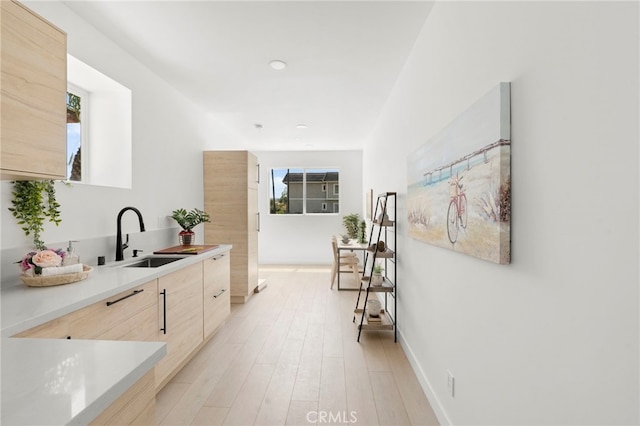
point(231, 198)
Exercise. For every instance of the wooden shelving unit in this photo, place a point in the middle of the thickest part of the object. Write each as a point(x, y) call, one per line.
point(383, 230)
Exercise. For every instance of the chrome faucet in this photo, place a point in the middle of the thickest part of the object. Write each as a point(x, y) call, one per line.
point(119, 246)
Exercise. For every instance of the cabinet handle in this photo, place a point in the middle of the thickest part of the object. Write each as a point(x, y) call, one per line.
point(164, 311)
point(258, 166)
point(215, 296)
point(258, 227)
point(218, 257)
point(125, 297)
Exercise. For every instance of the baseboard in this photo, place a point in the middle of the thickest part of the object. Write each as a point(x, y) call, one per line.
point(439, 411)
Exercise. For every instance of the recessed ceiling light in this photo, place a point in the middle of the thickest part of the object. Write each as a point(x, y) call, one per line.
point(257, 126)
point(278, 65)
point(301, 126)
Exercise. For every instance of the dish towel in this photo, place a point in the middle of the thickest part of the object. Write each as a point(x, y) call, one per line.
point(61, 270)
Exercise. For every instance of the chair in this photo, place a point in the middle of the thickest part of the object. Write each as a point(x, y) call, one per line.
point(349, 260)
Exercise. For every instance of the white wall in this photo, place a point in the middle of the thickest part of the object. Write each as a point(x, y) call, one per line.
point(169, 134)
point(553, 337)
point(299, 239)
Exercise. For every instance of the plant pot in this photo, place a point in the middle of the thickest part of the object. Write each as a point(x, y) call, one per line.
point(373, 307)
point(376, 280)
point(186, 238)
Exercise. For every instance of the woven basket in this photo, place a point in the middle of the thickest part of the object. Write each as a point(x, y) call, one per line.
point(56, 279)
point(454, 190)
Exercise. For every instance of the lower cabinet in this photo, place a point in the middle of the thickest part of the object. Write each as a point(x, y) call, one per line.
point(137, 406)
point(180, 316)
point(216, 280)
point(183, 308)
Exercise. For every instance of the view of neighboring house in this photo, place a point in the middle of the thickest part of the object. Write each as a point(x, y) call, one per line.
point(322, 193)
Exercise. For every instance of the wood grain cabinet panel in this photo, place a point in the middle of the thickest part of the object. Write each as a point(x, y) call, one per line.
point(137, 312)
point(180, 315)
point(216, 292)
point(33, 87)
point(54, 329)
point(231, 197)
point(137, 406)
point(133, 316)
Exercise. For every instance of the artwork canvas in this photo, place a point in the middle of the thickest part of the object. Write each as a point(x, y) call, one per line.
point(459, 182)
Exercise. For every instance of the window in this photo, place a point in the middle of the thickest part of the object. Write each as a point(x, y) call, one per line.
point(77, 125)
point(336, 189)
point(102, 146)
point(304, 191)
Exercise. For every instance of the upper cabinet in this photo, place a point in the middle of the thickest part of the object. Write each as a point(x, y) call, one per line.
point(33, 67)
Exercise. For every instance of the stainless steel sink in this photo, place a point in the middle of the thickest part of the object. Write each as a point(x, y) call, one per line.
point(153, 262)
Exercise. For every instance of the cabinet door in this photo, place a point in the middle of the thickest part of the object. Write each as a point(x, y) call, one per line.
point(253, 171)
point(252, 240)
point(180, 315)
point(33, 95)
point(130, 315)
point(217, 296)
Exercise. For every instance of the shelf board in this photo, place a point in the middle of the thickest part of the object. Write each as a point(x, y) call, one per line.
point(384, 324)
point(386, 286)
point(388, 253)
point(385, 223)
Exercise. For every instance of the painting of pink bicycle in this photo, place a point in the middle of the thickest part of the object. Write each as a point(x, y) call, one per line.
point(459, 191)
point(457, 211)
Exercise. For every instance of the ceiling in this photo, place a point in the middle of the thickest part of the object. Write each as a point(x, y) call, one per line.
point(343, 60)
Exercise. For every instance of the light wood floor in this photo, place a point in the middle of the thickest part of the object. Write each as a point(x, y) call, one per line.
point(290, 357)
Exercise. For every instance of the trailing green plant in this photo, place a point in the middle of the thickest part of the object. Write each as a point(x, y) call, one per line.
point(34, 202)
point(351, 222)
point(188, 220)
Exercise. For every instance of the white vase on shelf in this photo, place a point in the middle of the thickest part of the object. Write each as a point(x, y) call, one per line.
point(376, 279)
point(373, 307)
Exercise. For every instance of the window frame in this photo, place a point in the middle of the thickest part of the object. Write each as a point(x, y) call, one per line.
point(325, 205)
point(85, 103)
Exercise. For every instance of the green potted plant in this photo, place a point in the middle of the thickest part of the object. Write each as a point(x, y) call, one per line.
point(187, 221)
point(352, 222)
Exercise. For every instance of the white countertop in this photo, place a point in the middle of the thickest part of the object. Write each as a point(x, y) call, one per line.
point(26, 307)
point(59, 381)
